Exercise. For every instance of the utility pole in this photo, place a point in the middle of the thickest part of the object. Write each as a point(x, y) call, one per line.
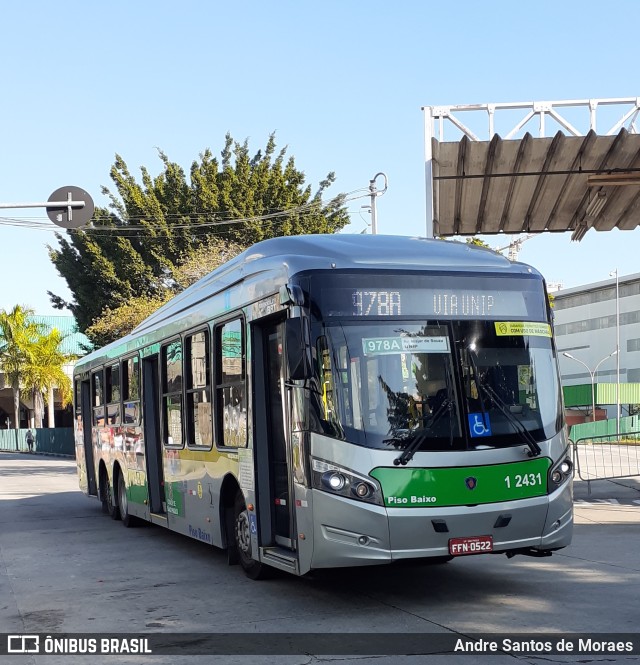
point(375, 193)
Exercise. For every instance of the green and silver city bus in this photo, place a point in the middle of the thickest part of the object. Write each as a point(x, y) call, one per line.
point(324, 401)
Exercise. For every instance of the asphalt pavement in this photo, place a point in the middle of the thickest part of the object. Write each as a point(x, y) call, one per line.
point(67, 568)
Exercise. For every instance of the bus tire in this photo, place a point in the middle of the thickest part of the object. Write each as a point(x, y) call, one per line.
point(242, 541)
point(109, 505)
point(123, 504)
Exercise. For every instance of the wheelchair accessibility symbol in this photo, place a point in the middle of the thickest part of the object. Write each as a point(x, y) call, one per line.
point(253, 527)
point(479, 424)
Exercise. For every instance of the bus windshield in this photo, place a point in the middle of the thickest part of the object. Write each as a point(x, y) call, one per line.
point(453, 385)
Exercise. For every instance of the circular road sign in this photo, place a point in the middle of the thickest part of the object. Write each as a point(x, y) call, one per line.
point(72, 207)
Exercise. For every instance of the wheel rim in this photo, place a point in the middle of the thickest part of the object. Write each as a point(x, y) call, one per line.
point(243, 534)
point(124, 506)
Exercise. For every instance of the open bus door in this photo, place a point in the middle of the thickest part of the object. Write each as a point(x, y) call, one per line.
point(85, 415)
point(273, 457)
point(153, 443)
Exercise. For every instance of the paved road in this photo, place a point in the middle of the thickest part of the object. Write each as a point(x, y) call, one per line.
point(65, 567)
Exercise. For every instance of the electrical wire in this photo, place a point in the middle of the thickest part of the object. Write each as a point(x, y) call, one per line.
point(129, 230)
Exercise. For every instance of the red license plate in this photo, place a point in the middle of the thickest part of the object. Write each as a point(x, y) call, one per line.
point(470, 545)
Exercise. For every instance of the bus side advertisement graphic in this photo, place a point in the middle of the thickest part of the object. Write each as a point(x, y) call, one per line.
point(419, 488)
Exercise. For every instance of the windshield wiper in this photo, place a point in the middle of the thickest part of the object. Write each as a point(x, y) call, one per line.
point(534, 448)
point(414, 442)
point(450, 395)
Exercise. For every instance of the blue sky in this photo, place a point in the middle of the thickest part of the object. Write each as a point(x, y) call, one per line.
point(341, 83)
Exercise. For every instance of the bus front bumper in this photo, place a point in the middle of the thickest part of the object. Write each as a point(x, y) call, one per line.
point(353, 533)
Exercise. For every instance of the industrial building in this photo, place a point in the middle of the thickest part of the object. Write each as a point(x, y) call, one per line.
point(597, 329)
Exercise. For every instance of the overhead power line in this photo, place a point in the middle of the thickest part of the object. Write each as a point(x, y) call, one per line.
point(128, 229)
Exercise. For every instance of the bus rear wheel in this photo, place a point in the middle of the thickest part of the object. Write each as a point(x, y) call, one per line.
point(123, 503)
point(109, 506)
point(242, 541)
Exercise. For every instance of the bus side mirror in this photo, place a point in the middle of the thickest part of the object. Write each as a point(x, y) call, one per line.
point(298, 352)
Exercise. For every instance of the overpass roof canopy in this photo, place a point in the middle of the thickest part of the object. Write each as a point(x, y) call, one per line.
point(575, 180)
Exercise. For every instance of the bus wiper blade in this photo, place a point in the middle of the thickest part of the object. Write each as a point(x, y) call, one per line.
point(534, 448)
point(451, 397)
point(414, 443)
point(439, 412)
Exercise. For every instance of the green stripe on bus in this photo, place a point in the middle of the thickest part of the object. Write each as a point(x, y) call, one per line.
point(462, 486)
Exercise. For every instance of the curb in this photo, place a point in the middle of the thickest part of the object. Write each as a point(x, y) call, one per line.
point(40, 453)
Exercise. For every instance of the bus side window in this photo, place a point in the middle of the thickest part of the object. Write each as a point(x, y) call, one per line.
point(199, 417)
point(113, 394)
point(231, 398)
point(97, 396)
point(131, 390)
point(172, 393)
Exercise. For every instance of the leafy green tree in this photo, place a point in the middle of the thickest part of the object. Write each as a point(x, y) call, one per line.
point(44, 371)
point(204, 260)
point(17, 336)
point(154, 226)
point(120, 321)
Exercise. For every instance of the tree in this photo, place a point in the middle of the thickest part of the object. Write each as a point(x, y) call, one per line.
point(17, 335)
point(120, 321)
point(44, 371)
point(152, 227)
point(204, 260)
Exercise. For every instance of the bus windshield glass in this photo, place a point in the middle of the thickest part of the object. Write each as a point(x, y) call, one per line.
point(457, 385)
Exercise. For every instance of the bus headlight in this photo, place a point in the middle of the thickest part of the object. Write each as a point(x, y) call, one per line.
point(565, 467)
point(362, 490)
point(344, 482)
point(560, 473)
point(334, 480)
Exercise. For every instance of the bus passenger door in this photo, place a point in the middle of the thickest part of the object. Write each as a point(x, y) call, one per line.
point(153, 443)
point(272, 441)
point(85, 415)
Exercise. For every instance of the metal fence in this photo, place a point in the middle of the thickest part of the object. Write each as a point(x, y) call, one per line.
point(51, 440)
point(601, 453)
point(629, 425)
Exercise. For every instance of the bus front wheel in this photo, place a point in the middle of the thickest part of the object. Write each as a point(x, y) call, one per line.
point(242, 541)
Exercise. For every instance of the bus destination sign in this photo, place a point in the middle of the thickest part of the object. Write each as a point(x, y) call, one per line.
point(432, 303)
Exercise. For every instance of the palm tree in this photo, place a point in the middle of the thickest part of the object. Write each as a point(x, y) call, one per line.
point(44, 372)
point(17, 334)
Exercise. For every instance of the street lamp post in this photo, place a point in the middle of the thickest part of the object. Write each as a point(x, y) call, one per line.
point(375, 192)
point(592, 373)
point(611, 274)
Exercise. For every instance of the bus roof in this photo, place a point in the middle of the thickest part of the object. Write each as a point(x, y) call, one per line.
point(295, 254)
point(308, 252)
